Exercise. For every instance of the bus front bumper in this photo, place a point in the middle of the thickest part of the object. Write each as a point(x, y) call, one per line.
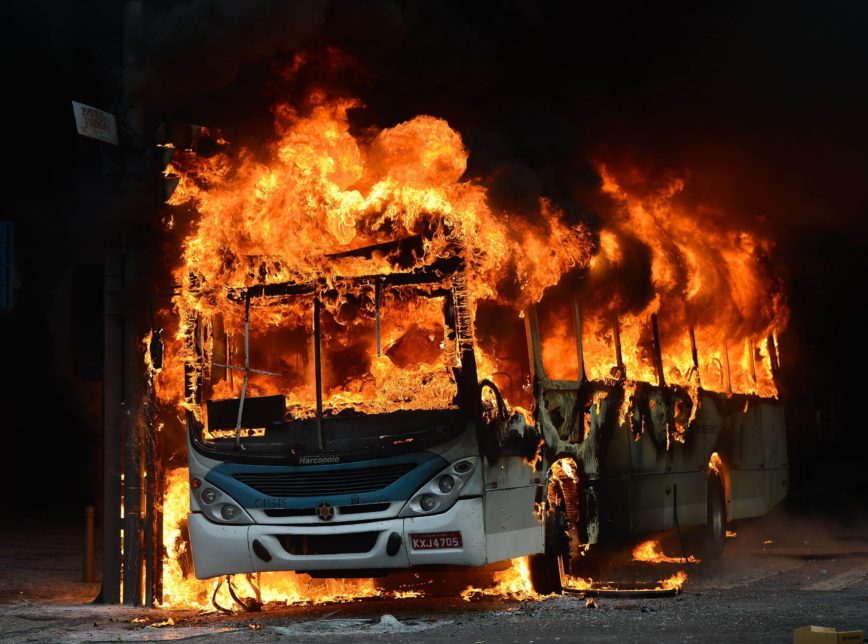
point(220, 549)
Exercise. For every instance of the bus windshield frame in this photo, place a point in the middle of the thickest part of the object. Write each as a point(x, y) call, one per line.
point(279, 434)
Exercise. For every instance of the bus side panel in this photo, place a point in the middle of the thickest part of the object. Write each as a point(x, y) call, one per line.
point(774, 435)
point(689, 489)
point(687, 481)
point(646, 502)
point(512, 529)
point(229, 553)
point(760, 477)
point(661, 475)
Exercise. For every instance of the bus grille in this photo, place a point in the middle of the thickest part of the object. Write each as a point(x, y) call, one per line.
point(327, 483)
point(328, 544)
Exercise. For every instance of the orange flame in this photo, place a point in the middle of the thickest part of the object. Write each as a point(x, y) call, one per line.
point(652, 552)
point(279, 217)
point(512, 583)
point(324, 191)
point(292, 212)
point(182, 589)
point(675, 582)
point(703, 274)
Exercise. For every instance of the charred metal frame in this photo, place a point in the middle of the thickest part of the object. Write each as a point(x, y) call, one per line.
point(619, 356)
point(563, 407)
point(694, 354)
point(246, 371)
point(317, 361)
point(442, 270)
point(580, 349)
point(377, 294)
point(658, 353)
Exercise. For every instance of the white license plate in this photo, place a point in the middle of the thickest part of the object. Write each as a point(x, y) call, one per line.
point(436, 540)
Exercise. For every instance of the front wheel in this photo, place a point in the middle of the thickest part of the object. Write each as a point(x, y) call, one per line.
point(547, 570)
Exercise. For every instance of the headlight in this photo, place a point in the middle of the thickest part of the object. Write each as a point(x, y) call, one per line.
point(220, 507)
point(440, 493)
point(463, 467)
point(446, 483)
point(209, 495)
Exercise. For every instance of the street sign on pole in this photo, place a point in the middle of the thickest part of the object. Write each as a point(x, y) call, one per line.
point(95, 123)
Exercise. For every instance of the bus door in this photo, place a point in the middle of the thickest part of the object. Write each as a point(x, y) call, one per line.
point(581, 415)
point(513, 477)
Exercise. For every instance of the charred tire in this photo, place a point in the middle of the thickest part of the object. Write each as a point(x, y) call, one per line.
point(547, 569)
point(714, 533)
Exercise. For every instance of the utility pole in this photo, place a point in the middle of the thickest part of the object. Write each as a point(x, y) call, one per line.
point(125, 548)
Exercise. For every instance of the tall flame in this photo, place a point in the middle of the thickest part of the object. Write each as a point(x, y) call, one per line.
point(299, 210)
point(290, 214)
point(320, 191)
point(704, 274)
point(182, 589)
point(514, 583)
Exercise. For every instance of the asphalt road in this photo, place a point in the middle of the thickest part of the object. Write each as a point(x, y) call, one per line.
point(803, 564)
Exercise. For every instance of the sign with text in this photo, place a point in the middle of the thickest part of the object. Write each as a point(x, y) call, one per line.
point(95, 123)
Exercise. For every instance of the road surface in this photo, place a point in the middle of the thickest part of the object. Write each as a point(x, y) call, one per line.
point(791, 568)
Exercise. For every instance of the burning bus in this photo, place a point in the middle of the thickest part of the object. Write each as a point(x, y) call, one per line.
point(380, 372)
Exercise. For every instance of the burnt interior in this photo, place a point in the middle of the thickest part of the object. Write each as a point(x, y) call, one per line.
point(272, 428)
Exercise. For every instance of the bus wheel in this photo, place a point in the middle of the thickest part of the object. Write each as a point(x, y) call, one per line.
point(547, 570)
point(714, 535)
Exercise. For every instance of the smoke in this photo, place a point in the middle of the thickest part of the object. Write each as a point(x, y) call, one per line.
point(200, 47)
point(759, 111)
point(193, 47)
point(751, 106)
point(754, 103)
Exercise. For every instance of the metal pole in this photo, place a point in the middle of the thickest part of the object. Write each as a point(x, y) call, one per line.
point(658, 353)
point(88, 572)
point(695, 355)
point(774, 362)
point(728, 372)
point(128, 392)
point(317, 365)
point(159, 491)
point(246, 369)
point(151, 504)
point(228, 361)
point(377, 293)
point(752, 358)
point(112, 394)
point(580, 351)
point(134, 439)
point(619, 357)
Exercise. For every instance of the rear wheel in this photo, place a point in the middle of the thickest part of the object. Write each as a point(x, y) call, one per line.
point(547, 570)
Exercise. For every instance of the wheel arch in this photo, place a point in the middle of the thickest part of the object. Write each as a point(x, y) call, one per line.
point(566, 470)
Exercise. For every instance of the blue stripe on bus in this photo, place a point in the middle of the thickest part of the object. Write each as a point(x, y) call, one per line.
point(427, 465)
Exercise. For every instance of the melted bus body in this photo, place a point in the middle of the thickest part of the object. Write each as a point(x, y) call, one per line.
point(330, 490)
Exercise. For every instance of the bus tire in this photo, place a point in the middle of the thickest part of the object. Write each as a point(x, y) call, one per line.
point(714, 533)
point(547, 569)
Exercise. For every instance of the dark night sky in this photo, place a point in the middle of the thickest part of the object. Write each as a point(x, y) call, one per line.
point(766, 106)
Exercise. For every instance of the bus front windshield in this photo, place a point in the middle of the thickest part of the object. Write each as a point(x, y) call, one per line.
point(373, 359)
